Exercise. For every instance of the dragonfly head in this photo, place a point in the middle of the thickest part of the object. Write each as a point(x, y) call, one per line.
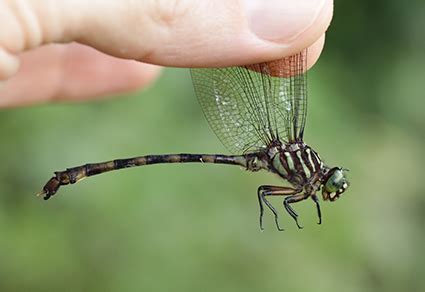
point(334, 183)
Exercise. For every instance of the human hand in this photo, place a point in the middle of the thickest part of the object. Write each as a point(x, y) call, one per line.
point(101, 39)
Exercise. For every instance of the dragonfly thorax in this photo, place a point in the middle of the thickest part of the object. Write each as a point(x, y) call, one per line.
point(296, 162)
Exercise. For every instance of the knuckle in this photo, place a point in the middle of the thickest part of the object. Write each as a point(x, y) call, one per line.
point(167, 13)
point(22, 29)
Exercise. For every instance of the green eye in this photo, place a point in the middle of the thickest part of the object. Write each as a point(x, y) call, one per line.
point(335, 182)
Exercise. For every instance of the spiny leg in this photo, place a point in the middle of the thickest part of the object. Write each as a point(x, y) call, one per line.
point(293, 199)
point(261, 198)
point(267, 190)
point(319, 213)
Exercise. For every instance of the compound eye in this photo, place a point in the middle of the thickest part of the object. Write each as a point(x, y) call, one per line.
point(335, 182)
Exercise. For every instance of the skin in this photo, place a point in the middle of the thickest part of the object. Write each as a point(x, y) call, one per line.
point(76, 50)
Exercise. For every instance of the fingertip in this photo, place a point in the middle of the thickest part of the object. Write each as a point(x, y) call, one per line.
point(137, 75)
point(91, 74)
point(283, 21)
point(314, 51)
point(300, 33)
point(72, 73)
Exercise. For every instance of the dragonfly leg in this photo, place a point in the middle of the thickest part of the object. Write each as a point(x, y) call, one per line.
point(293, 199)
point(267, 190)
point(319, 213)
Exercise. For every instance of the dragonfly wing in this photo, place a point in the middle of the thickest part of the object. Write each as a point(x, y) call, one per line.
point(249, 107)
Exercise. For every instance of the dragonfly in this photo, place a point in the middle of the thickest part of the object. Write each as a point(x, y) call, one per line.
point(259, 113)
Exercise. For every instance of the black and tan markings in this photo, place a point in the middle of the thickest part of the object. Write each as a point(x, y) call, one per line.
point(258, 109)
point(301, 161)
point(75, 174)
point(302, 167)
point(289, 162)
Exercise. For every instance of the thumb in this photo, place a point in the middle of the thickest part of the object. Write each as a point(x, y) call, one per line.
point(183, 33)
point(188, 33)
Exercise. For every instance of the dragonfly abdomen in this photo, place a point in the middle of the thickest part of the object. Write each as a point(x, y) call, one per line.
point(75, 174)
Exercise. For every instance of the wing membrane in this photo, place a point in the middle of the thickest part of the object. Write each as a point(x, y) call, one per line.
point(249, 107)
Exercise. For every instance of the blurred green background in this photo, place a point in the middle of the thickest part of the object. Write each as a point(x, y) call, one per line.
point(195, 227)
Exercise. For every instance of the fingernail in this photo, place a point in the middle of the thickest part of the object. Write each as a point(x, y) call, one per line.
point(281, 20)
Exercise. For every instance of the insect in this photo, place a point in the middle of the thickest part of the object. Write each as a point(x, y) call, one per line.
point(259, 113)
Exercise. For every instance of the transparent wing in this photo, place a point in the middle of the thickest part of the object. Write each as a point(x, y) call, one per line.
point(249, 107)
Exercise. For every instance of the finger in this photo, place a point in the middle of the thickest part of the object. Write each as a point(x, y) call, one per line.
point(184, 33)
point(211, 32)
point(76, 72)
point(71, 73)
